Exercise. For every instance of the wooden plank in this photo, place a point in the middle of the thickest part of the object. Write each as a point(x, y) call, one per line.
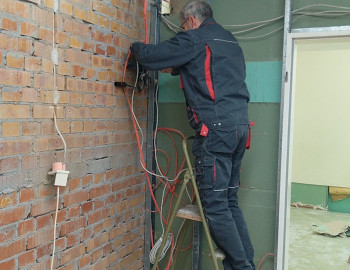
point(190, 211)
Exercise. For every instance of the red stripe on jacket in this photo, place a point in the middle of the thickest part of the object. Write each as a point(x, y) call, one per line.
point(208, 78)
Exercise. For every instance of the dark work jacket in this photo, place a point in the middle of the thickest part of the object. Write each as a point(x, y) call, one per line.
point(212, 71)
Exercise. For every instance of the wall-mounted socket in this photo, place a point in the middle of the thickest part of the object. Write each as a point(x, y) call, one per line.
point(166, 7)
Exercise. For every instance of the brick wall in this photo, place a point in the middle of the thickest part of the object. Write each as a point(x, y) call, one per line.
point(100, 217)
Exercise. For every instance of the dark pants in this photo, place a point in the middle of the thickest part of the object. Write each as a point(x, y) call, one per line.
point(218, 163)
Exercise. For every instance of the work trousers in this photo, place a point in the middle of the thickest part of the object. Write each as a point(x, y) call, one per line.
point(218, 164)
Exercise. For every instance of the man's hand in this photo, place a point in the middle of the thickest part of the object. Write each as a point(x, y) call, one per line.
point(166, 70)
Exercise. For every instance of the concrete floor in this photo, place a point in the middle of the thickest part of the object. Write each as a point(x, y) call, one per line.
point(310, 251)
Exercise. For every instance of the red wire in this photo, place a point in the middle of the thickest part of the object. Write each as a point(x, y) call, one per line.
point(145, 21)
point(263, 258)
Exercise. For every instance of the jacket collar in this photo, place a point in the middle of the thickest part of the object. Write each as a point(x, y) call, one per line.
point(208, 21)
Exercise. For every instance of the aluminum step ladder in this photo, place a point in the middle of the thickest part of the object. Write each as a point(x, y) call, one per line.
point(190, 212)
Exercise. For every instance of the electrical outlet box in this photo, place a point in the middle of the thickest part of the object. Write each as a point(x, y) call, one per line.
point(166, 7)
point(61, 177)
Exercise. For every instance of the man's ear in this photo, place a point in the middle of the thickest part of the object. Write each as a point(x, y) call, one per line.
point(193, 22)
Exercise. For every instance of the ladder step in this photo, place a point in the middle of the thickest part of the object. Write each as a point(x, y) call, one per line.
point(190, 211)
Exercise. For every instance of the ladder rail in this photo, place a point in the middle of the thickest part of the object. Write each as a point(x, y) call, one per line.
point(199, 203)
point(188, 176)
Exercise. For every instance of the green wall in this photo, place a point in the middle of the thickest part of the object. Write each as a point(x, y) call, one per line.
point(263, 56)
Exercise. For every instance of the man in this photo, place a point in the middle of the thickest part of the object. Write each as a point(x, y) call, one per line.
point(212, 72)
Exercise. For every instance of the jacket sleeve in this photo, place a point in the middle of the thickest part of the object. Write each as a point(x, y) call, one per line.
point(171, 53)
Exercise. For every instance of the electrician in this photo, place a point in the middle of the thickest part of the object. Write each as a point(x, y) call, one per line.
point(212, 72)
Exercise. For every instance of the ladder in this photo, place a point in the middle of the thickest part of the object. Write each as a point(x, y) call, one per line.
point(190, 212)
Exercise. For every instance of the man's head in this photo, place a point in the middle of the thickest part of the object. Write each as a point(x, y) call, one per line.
point(194, 13)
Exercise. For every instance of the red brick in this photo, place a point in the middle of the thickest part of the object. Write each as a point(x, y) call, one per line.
point(42, 50)
point(9, 25)
point(30, 128)
point(14, 77)
point(87, 233)
point(15, 44)
point(90, 73)
point(73, 184)
point(99, 191)
point(72, 253)
point(98, 204)
point(45, 191)
point(61, 215)
point(76, 28)
point(78, 57)
point(43, 111)
point(43, 207)
point(27, 194)
point(73, 212)
point(9, 265)
point(95, 255)
point(7, 234)
point(43, 221)
point(15, 147)
point(101, 62)
point(10, 129)
point(25, 227)
point(40, 238)
point(12, 111)
point(97, 216)
point(29, 95)
point(104, 21)
point(75, 197)
point(47, 66)
point(64, 68)
point(28, 29)
point(86, 207)
point(8, 165)
point(73, 239)
point(99, 178)
point(77, 126)
point(42, 17)
point(43, 250)
point(16, 247)
point(78, 71)
point(66, 7)
point(84, 261)
point(77, 141)
point(61, 37)
point(88, 46)
point(45, 34)
point(97, 241)
point(29, 162)
point(26, 258)
point(44, 81)
point(47, 144)
point(14, 62)
point(32, 63)
point(118, 231)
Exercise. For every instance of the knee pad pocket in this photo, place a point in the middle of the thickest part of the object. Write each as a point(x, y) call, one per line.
point(205, 172)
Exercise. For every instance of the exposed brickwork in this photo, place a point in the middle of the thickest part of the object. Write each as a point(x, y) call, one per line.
point(100, 217)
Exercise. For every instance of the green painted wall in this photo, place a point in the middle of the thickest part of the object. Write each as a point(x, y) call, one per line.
point(260, 165)
point(309, 194)
point(263, 81)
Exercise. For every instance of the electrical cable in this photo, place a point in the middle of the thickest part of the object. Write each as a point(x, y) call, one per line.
point(262, 23)
point(54, 57)
point(262, 260)
point(54, 229)
point(137, 129)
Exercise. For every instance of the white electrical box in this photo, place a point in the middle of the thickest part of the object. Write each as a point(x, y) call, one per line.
point(166, 7)
point(61, 177)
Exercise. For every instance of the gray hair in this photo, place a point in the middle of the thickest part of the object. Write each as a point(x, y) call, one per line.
point(199, 9)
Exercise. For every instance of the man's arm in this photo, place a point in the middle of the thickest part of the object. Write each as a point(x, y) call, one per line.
point(171, 53)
